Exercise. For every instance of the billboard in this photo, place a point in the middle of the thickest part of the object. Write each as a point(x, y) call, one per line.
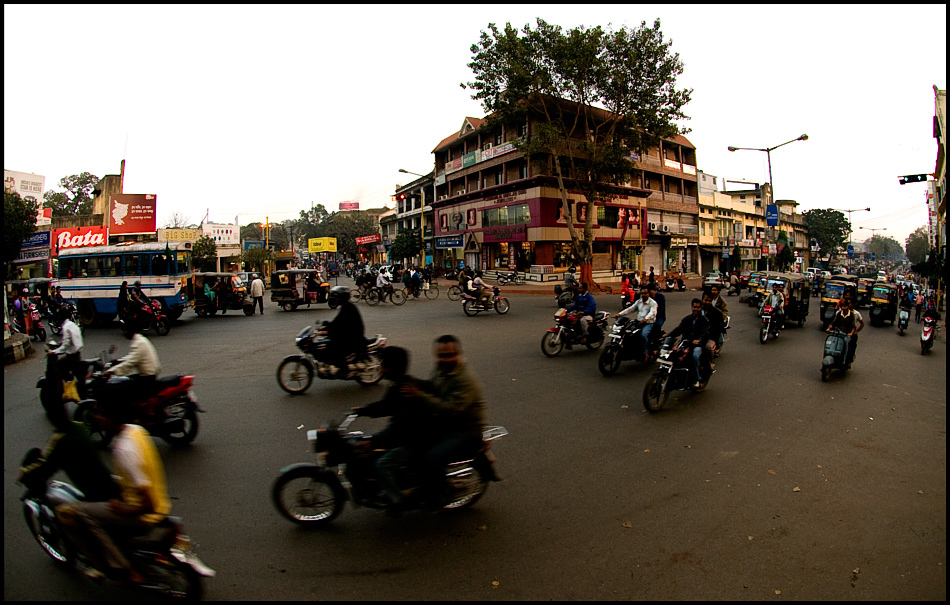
point(34, 248)
point(78, 237)
point(368, 239)
point(349, 205)
point(131, 213)
point(321, 244)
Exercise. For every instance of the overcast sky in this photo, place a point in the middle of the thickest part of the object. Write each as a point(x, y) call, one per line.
point(262, 110)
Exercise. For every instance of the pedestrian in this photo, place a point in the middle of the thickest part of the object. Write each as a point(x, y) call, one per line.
point(919, 302)
point(257, 293)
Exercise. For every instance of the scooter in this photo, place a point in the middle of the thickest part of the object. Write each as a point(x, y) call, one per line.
point(35, 329)
point(903, 319)
point(836, 353)
point(927, 335)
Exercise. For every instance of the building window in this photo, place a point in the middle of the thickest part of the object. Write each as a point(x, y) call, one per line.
point(517, 214)
point(523, 170)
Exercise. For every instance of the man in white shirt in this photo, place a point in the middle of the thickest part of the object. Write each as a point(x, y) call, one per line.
point(71, 350)
point(646, 309)
point(141, 363)
point(383, 283)
point(257, 294)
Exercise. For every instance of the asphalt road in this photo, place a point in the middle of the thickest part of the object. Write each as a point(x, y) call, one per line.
point(769, 485)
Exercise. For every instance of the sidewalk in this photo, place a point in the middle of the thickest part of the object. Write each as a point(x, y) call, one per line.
point(15, 348)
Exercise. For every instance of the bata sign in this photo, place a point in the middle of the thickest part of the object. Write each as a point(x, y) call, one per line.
point(78, 237)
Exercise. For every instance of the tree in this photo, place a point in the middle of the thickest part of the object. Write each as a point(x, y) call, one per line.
point(204, 253)
point(406, 245)
point(917, 245)
point(77, 199)
point(881, 245)
point(829, 228)
point(254, 259)
point(556, 78)
point(19, 223)
point(177, 220)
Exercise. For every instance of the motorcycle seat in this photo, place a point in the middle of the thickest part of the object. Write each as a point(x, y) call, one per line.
point(162, 533)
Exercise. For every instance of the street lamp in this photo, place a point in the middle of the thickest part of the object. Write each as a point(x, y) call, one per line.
point(422, 217)
point(768, 153)
point(849, 224)
point(872, 230)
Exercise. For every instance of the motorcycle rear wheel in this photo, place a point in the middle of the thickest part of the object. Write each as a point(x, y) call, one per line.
point(372, 375)
point(294, 376)
point(307, 497)
point(469, 307)
point(177, 581)
point(55, 547)
point(655, 393)
point(54, 328)
point(593, 345)
point(609, 361)
point(551, 345)
point(473, 496)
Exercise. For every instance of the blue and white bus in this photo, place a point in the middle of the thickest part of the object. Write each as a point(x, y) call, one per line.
point(91, 277)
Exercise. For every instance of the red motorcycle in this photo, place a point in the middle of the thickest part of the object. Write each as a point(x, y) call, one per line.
point(770, 324)
point(169, 410)
point(148, 316)
point(567, 332)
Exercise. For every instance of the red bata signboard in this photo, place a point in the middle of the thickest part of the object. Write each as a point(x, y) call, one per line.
point(131, 214)
point(78, 237)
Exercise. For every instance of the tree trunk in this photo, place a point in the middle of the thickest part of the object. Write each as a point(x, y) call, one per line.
point(582, 250)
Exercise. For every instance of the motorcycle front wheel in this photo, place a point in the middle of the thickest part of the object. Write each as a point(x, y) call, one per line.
point(825, 373)
point(502, 305)
point(307, 496)
point(162, 326)
point(655, 393)
point(551, 344)
point(764, 333)
point(54, 328)
point(294, 375)
point(609, 361)
point(189, 419)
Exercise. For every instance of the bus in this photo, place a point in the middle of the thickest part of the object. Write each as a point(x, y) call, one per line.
point(91, 277)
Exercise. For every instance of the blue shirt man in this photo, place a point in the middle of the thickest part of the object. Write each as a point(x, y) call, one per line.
point(585, 305)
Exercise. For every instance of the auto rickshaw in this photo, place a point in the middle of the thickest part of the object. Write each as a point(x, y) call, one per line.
point(797, 293)
point(834, 290)
point(865, 285)
point(883, 304)
point(294, 287)
point(213, 292)
point(759, 286)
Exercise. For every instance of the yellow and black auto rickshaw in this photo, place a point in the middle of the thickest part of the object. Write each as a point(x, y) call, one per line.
point(865, 285)
point(834, 290)
point(292, 288)
point(797, 293)
point(883, 304)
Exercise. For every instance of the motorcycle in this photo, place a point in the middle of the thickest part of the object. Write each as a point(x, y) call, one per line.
point(721, 343)
point(34, 327)
point(836, 352)
point(149, 316)
point(626, 300)
point(673, 285)
point(927, 335)
point(169, 410)
point(295, 372)
point(674, 374)
point(567, 332)
point(163, 555)
point(626, 337)
point(472, 306)
point(314, 494)
point(563, 297)
point(67, 311)
point(769, 324)
point(510, 278)
point(903, 319)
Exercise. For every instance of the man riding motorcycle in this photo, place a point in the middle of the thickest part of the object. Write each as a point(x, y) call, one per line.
point(585, 305)
point(776, 299)
point(695, 329)
point(141, 363)
point(645, 309)
point(717, 327)
point(346, 331)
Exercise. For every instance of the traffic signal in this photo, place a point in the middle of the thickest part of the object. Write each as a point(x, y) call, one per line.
point(912, 178)
point(638, 250)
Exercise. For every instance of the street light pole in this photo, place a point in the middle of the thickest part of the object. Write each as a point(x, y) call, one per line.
point(768, 154)
point(850, 230)
point(872, 230)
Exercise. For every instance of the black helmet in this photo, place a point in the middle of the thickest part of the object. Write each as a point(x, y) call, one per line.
point(339, 294)
point(137, 284)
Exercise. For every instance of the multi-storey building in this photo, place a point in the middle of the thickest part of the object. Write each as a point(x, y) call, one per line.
point(412, 201)
point(495, 209)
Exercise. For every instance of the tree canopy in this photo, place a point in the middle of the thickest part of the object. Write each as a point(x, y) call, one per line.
point(204, 253)
point(19, 223)
point(881, 245)
point(77, 199)
point(917, 245)
point(829, 228)
point(595, 96)
point(344, 226)
point(406, 245)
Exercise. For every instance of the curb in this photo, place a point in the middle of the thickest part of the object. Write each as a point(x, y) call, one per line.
point(16, 348)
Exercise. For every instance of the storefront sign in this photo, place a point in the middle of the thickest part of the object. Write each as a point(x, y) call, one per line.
point(131, 213)
point(510, 233)
point(178, 235)
point(368, 239)
point(496, 151)
point(35, 247)
point(78, 237)
point(449, 241)
point(349, 205)
point(678, 242)
point(469, 159)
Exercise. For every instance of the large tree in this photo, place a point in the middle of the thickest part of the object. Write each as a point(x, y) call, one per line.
point(19, 223)
point(829, 228)
point(564, 81)
point(917, 245)
point(204, 253)
point(406, 245)
point(882, 245)
point(77, 199)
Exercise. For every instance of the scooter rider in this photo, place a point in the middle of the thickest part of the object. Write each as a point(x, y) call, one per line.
point(695, 329)
point(585, 305)
point(646, 309)
point(848, 320)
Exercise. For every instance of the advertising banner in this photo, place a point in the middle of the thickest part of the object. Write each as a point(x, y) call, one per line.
point(36, 247)
point(367, 239)
point(131, 213)
point(178, 235)
point(30, 186)
point(78, 237)
point(349, 205)
point(321, 244)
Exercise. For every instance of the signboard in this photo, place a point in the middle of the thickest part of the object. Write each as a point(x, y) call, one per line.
point(35, 247)
point(131, 213)
point(349, 205)
point(678, 242)
point(249, 245)
point(78, 237)
point(30, 186)
point(773, 249)
point(771, 215)
point(874, 256)
point(850, 250)
point(321, 244)
point(368, 239)
point(469, 159)
point(508, 233)
point(449, 241)
point(178, 235)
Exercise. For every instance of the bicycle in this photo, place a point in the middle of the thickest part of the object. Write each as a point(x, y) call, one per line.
point(377, 295)
point(455, 292)
point(430, 289)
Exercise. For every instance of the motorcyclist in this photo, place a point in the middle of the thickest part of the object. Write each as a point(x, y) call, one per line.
point(719, 302)
point(626, 289)
point(660, 308)
point(776, 299)
point(122, 302)
point(408, 434)
point(848, 320)
point(570, 279)
point(71, 350)
point(717, 327)
point(139, 302)
point(695, 330)
point(479, 288)
point(586, 306)
point(645, 309)
point(346, 332)
point(141, 363)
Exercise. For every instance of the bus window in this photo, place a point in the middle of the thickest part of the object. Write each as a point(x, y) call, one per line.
point(65, 267)
point(159, 264)
point(130, 264)
point(111, 265)
point(184, 263)
point(93, 266)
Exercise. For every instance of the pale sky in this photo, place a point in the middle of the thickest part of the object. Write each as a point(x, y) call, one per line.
point(262, 110)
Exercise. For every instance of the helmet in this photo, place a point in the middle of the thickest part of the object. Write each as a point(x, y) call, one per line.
point(339, 294)
point(137, 284)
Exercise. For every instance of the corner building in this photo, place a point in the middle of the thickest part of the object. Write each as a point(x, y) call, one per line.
point(495, 210)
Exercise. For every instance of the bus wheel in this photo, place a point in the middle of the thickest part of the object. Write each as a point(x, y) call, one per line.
point(87, 312)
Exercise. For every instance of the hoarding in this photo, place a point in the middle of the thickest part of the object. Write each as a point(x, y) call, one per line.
point(131, 213)
point(30, 186)
point(321, 244)
point(78, 237)
point(349, 205)
point(367, 239)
